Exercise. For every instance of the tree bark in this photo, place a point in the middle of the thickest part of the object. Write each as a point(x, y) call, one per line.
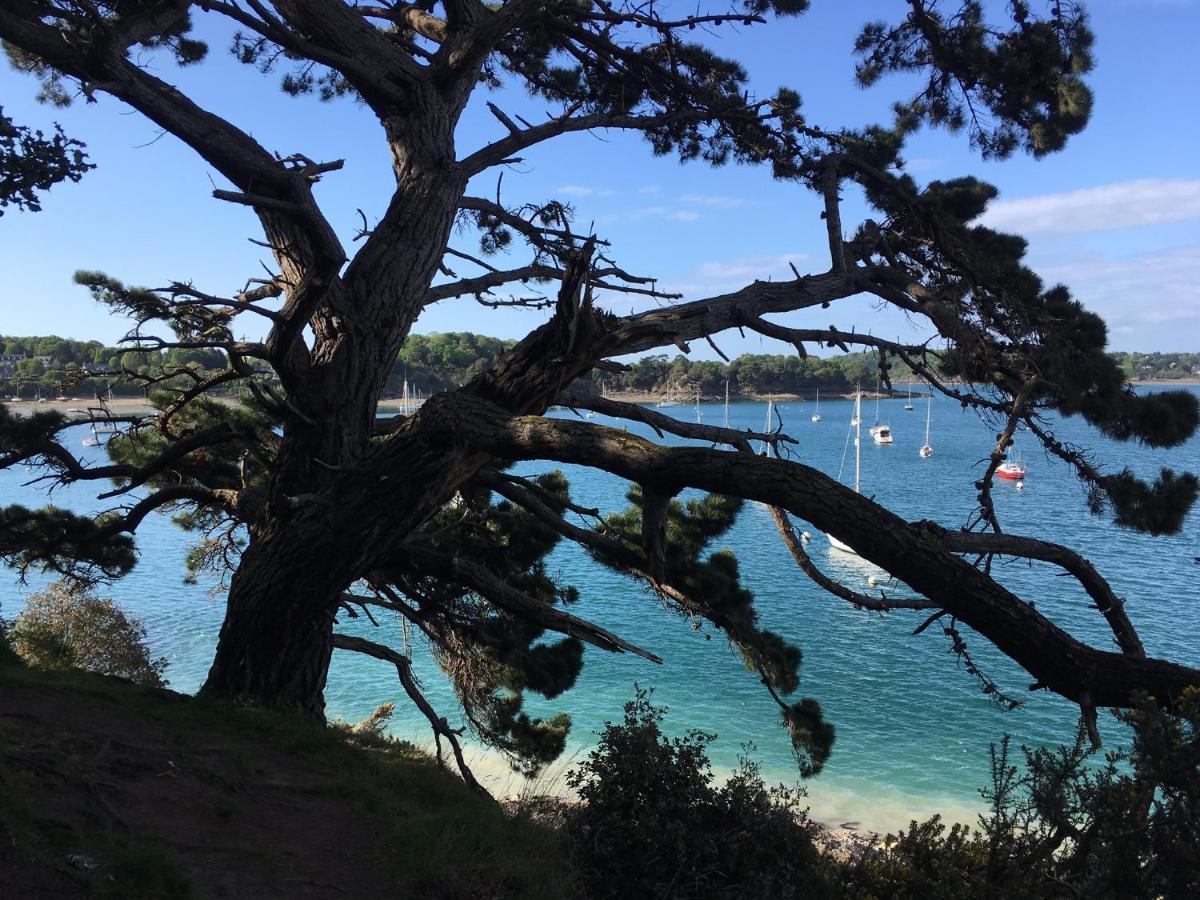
point(277, 637)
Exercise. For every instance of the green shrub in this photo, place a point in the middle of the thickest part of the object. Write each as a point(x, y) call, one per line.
point(67, 627)
point(652, 822)
point(1064, 824)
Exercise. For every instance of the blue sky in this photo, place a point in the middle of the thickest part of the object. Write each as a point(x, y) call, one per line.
point(1116, 215)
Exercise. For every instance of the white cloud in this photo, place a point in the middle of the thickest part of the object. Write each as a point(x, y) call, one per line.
point(1148, 297)
point(663, 212)
point(716, 201)
point(579, 190)
point(727, 275)
point(1127, 204)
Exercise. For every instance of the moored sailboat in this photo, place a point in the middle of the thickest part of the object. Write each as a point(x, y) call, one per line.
point(1012, 468)
point(926, 450)
point(857, 426)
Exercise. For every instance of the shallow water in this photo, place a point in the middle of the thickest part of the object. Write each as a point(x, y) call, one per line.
point(913, 727)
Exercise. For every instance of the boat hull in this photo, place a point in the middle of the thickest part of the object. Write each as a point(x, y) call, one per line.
point(838, 545)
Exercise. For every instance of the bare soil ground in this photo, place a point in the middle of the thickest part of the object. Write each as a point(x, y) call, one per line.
point(109, 790)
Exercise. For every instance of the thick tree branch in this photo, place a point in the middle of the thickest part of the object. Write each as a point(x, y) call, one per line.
point(508, 598)
point(908, 551)
point(663, 423)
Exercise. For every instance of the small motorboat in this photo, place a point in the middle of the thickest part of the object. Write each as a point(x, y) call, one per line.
point(882, 435)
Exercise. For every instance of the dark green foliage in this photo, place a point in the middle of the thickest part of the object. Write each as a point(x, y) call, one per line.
point(652, 823)
point(1156, 508)
point(492, 657)
point(53, 539)
point(1020, 88)
point(709, 588)
point(31, 163)
point(21, 436)
point(91, 24)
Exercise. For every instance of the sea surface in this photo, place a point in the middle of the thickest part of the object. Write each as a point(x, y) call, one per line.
point(913, 727)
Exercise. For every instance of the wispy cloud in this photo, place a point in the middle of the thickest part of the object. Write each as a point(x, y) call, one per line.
point(726, 275)
point(1127, 204)
point(1150, 296)
point(580, 190)
point(663, 212)
point(715, 201)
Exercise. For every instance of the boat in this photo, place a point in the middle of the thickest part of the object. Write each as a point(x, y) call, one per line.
point(926, 450)
point(816, 416)
point(857, 426)
point(668, 400)
point(881, 434)
point(1012, 468)
point(908, 403)
point(767, 425)
point(698, 415)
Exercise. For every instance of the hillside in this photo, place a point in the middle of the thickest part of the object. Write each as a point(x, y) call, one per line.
point(116, 791)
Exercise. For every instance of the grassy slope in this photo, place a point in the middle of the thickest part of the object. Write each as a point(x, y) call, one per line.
point(107, 789)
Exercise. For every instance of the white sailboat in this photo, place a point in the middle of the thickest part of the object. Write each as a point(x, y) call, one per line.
point(816, 416)
point(908, 403)
point(926, 450)
point(880, 434)
point(698, 415)
point(767, 424)
point(857, 426)
point(726, 402)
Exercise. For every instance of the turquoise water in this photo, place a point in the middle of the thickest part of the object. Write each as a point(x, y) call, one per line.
point(913, 727)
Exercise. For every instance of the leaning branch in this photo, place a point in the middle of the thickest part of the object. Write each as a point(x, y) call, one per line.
point(441, 728)
point(504, 596)
point(909, 551)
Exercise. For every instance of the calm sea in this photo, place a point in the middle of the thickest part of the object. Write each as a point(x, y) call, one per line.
point(913, 726)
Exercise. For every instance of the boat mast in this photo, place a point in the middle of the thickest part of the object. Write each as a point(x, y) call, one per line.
point(857, 439)
point(928, 413)
point(726, 402)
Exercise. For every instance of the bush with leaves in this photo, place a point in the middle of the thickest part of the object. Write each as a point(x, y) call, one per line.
point(1065, 824)
point(66, 626)
point(652, 822)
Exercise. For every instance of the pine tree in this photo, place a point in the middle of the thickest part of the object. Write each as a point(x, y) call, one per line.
point(317, 505)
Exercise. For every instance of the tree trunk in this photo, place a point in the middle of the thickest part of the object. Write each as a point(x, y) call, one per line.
point(277, 638)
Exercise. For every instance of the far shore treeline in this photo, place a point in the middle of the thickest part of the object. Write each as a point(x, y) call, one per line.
point(435, 362)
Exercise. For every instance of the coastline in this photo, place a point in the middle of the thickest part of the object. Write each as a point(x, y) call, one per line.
point(845, 812)
point(138, 406)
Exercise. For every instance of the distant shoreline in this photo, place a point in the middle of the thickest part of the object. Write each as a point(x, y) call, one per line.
point(138, 406)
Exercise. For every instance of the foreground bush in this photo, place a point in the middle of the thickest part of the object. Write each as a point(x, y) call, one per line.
point(652, 823)
point(67, 627)
point(1067, 822)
